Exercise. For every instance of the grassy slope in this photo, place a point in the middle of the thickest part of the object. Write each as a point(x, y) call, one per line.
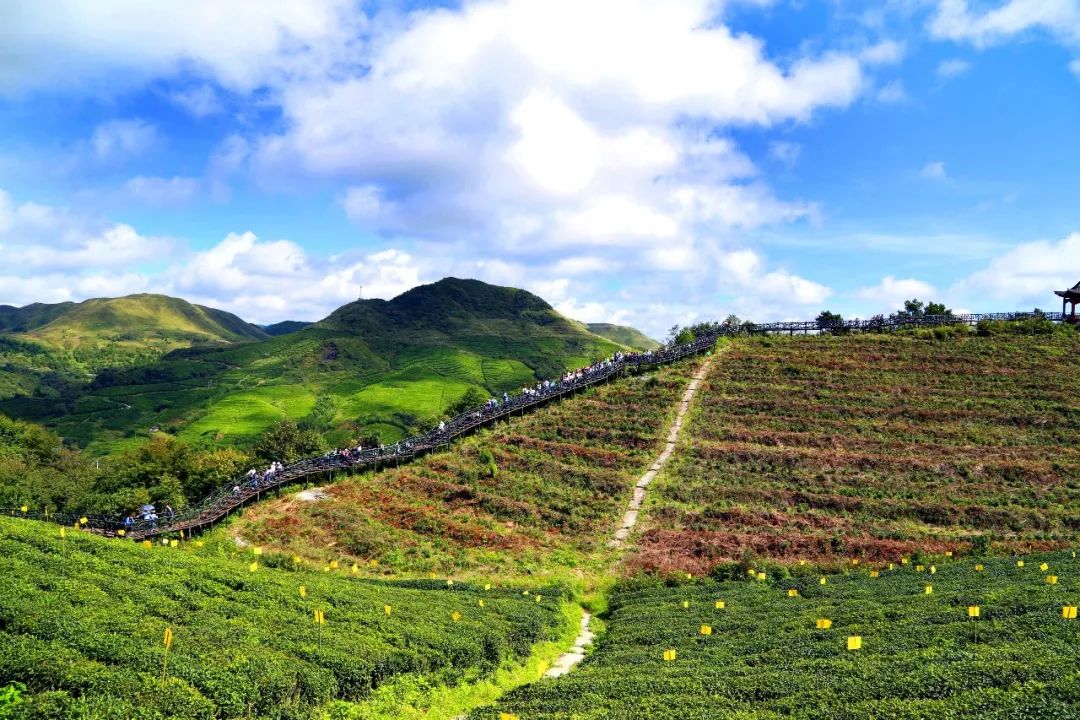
point(380, 365)
point(47, 350)
point(82, 620)
point(540, 496)
point(624, 335)
point(921, 658)
point(818, 447)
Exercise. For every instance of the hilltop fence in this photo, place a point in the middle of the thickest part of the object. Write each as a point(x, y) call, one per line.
point(226, 499)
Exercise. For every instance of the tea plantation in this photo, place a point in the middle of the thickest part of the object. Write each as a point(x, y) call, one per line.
point(83, 622)
point(921, 655)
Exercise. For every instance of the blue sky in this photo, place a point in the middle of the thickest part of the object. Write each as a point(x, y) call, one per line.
point(630, 161)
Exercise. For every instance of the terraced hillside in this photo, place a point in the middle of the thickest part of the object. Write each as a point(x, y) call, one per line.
point(872, 446)
point(83, 621)
point(373, 367)
point(766, 655)
point(539, 496)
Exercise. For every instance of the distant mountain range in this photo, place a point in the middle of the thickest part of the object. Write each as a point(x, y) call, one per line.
point(109, 369)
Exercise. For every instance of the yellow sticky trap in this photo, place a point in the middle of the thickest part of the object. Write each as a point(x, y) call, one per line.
point(792, 592)
point(685, 604)
point(875, 573)
point(296, 559)
point(822, 581)
point(903, 561)
point(326, 568)
point(751, 572)
point(929, 590)
point(670, 655)
point(933, 569)
point(63, 532)
point(1019, 563)
point(948, 553)
point(387, 610)
point(199, 543)
point(168, 638)
point(508, 716)
point(539, 598)
point(83, 521)
point(1051, 579)
point(802, 562)
point(1069, 612)
point(1074, 553)
point(524, 592)
point(481, 602)
point(854, 561)
point(373, 562)
point(431, 576)
point(854, 642)
point(689, 576)
point(320, 619)
point(25, 508)
point(920, 568)
point(303, 591)
point(121, 532)
point(147, 544)
point(333, 564)
point(487, 587)
point(449, 583)
point(1044, 567)
point(720, 605)
point(455, 616)
point(174, 543)
point(824, 623)
point(257, 550)
point(891, 566)
point(253, 567)
point(706, 630)
point(979, 568)
point(164, 541)
point(761, 576)
point(973, 611)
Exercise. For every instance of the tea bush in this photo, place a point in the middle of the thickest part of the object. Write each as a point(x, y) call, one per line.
point(922, 656)
point(82, 622)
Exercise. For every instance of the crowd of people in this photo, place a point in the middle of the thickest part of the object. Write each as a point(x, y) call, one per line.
point(343, 458)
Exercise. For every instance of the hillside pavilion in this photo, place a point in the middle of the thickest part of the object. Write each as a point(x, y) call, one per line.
point(1069, 297)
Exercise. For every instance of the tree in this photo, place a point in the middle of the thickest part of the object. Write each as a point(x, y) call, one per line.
point(473, 397)
point(287, 443)
point(830, 322)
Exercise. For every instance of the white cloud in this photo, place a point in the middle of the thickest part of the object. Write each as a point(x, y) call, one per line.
point(955, 20)
point(122, 138)
point(952, 68)
point(786, 152)
point(891, 292)
point(201, 101)
point(106, 44)
point(892, 92)
point(157, 191)
point(935, 170)
point(1025, 276)
point(888, 52)
point(1074, 66)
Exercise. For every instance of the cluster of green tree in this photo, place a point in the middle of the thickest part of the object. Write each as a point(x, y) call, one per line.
point(679, 334)
point(913, 309)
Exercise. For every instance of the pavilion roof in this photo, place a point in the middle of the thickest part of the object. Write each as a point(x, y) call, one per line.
point(1073, 292)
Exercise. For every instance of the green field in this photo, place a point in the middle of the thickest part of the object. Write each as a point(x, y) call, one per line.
point(82, 623)
point(922, 657)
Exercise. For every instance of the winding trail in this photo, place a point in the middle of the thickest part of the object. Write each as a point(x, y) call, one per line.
point(570, 659)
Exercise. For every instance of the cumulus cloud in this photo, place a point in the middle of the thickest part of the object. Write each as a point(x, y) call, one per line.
point(201, 101)
point(956, 20)
point(786, 152)
point(242, 45)
point(891, 292)
point(1025, 276)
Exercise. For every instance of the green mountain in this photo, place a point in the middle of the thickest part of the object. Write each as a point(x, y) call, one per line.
point(372, 367)
point(631, 337)
point(49, 350)
point(284, 327)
